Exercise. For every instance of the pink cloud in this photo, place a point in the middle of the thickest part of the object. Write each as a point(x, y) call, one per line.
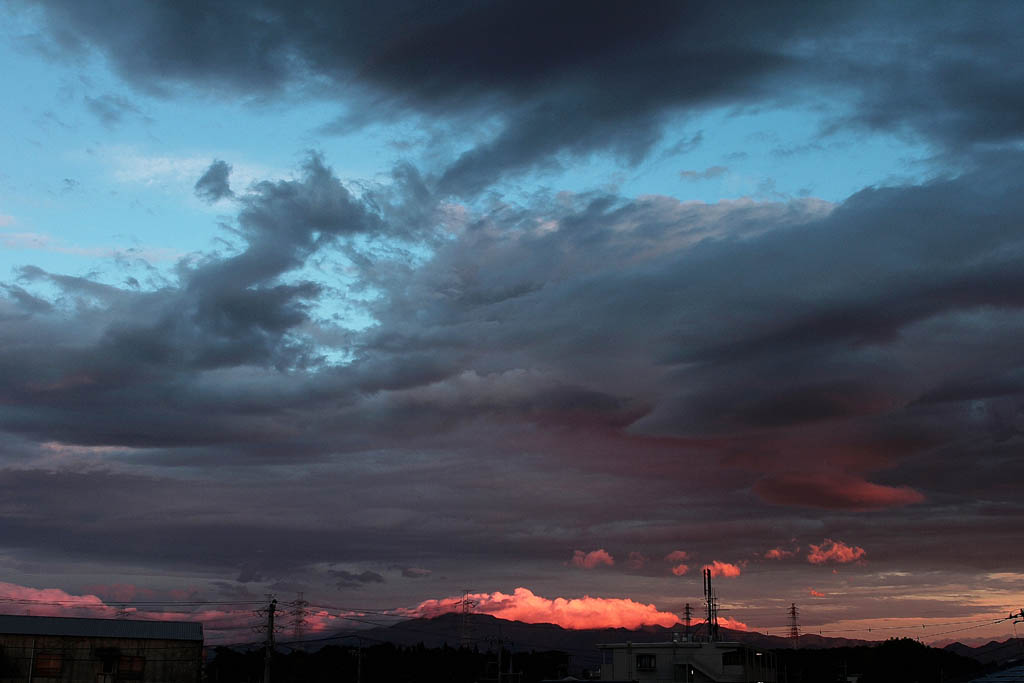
point(52, 602)
point(219, 625)
point(723, 569)
point(573, 613)
point(834, 551)
point(815, 594)
point(833, 491)
point(636, 560)
point(777, 554)
point(734, 624)
point(592, 559)
point(680, 569)
point(677, 556)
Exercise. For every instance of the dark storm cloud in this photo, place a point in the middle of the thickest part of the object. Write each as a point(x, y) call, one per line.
point(214, 184)
point(571, 78)
point(347, 579)
point(700, 365)
point(575, 77)
point(225, 312)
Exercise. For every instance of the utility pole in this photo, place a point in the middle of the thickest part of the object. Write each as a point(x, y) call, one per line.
point(269, 642)
point(687, 615)
point(359, 663)
point(794, 625)
point(358, 652)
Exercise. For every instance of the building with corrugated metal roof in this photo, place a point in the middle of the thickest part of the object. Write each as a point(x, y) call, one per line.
point(75, 650)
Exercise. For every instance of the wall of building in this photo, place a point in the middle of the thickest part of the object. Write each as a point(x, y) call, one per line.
point(687, 662)
point(66, 659)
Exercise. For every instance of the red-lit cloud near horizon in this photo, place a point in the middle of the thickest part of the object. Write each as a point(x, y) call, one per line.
point(592, 559)
point(677, 557)
point(723, 569)
point(52, 602)
point(573, 613)
point(833, 491)
point(777, 554)
point(834, 551)
point(220, 625)
point(734, 624)
point(815, 594)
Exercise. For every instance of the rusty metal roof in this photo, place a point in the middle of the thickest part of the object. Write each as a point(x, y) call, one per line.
point(100, 628)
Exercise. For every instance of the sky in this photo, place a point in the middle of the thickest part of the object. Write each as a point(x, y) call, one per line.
point(558, 303)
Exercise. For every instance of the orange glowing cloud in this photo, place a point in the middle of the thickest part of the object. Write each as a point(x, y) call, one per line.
point(680, 569)
point(677, 556)
point(723, 569)
point(815, 594)
point(573, 613)
point(834, 551)
point(734, 624)
point(777, 554)
point(592, 559)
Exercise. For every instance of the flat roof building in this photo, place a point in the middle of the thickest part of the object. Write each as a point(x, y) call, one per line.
point(77, 650)
point(687, 662)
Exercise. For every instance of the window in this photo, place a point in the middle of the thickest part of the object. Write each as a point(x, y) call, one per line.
point(732, 658)
point(47, 664)
point(131, 668)
point(646, 663)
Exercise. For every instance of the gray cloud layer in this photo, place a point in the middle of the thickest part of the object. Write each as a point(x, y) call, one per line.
point(775, 360)
point(594, 77)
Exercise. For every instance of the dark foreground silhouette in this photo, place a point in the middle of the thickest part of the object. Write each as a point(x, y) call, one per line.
point(892, 661)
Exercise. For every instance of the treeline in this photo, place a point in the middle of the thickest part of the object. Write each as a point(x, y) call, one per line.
point(897, 660)
point(385, 663)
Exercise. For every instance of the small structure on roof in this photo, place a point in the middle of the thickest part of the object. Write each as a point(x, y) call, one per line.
point(77, 650)
point(686, 660)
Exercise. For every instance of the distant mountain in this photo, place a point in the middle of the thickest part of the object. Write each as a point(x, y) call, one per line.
point(993, 652)
point(486, 630)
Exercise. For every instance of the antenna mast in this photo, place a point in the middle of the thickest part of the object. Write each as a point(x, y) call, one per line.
point(711, 602)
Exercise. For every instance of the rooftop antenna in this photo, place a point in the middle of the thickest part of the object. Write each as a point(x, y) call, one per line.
point(687, 614)
point(711, 602)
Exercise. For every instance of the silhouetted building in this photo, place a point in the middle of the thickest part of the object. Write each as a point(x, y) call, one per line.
point(687, 662)
point(1011, 675)
point(73, 650)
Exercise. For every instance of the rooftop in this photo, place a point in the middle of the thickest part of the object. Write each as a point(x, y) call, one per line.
point(100, 628)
